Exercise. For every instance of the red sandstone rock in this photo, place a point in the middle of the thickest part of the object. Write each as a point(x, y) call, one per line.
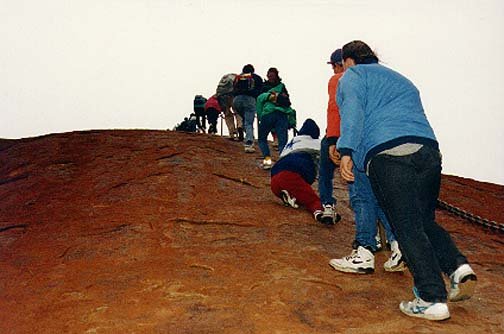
point(164, 232)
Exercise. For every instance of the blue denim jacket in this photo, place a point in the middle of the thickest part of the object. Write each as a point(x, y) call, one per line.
point(380, 109)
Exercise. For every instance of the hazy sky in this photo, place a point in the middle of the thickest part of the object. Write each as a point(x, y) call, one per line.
point(115, 64)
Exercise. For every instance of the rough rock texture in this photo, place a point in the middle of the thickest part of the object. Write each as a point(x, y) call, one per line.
point(164, 232)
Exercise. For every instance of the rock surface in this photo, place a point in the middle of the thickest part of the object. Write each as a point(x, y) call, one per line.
point(165, 232)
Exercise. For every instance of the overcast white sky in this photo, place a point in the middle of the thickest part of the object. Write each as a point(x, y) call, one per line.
point(116, 64)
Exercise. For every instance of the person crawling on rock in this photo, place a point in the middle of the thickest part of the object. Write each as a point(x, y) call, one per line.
point(189, 124)
point(296, 169)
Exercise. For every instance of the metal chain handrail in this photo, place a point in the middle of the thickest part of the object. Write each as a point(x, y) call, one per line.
point(491, 224)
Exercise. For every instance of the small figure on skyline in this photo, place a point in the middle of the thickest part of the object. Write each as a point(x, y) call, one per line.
point(189, 124)
point(199, 111)
point(212, 109)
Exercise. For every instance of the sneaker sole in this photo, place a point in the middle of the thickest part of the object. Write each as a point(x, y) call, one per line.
point(400, 267)
point(426, 316)
point(326, 221)
point(465, 288)
point(330, 220)
point(361, 271)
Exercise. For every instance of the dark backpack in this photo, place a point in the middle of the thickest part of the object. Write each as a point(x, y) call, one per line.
point(199, 102)
point(244, 83)
point(183, 126)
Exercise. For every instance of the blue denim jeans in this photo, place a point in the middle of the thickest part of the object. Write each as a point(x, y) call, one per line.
point(245, 106)
point(407, 188)
point(326, 174)
point(276, 120)
point(367, 212)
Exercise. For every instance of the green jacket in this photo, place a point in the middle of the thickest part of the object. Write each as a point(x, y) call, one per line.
point(264, 106)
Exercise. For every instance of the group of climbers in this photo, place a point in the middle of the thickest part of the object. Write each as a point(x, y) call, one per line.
point(239, 98)
point(379, 137)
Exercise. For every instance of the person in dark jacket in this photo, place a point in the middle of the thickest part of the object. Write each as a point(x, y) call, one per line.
point(296, 170)
point(199, 111)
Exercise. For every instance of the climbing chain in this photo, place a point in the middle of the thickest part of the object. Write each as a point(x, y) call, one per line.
point(491, 224)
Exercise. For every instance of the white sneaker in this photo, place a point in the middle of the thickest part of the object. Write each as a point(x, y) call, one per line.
point(267, 163)
point(462, 283)
point(421, 309)
point(288, 200)
point(327, 215)
point(395, 262)
point(249, 148)
point(361, 261)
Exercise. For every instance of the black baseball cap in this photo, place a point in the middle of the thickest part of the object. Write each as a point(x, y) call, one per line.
point(336, 57)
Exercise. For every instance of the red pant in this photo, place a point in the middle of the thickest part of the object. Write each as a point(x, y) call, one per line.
point(298, 188)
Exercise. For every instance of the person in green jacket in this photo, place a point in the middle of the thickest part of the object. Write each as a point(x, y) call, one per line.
point(273, 110)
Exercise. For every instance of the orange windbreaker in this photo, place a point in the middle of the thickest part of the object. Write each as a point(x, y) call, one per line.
point(333, 115)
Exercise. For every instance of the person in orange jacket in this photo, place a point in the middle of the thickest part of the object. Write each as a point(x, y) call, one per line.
point(364, 204)
point(326, 166)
